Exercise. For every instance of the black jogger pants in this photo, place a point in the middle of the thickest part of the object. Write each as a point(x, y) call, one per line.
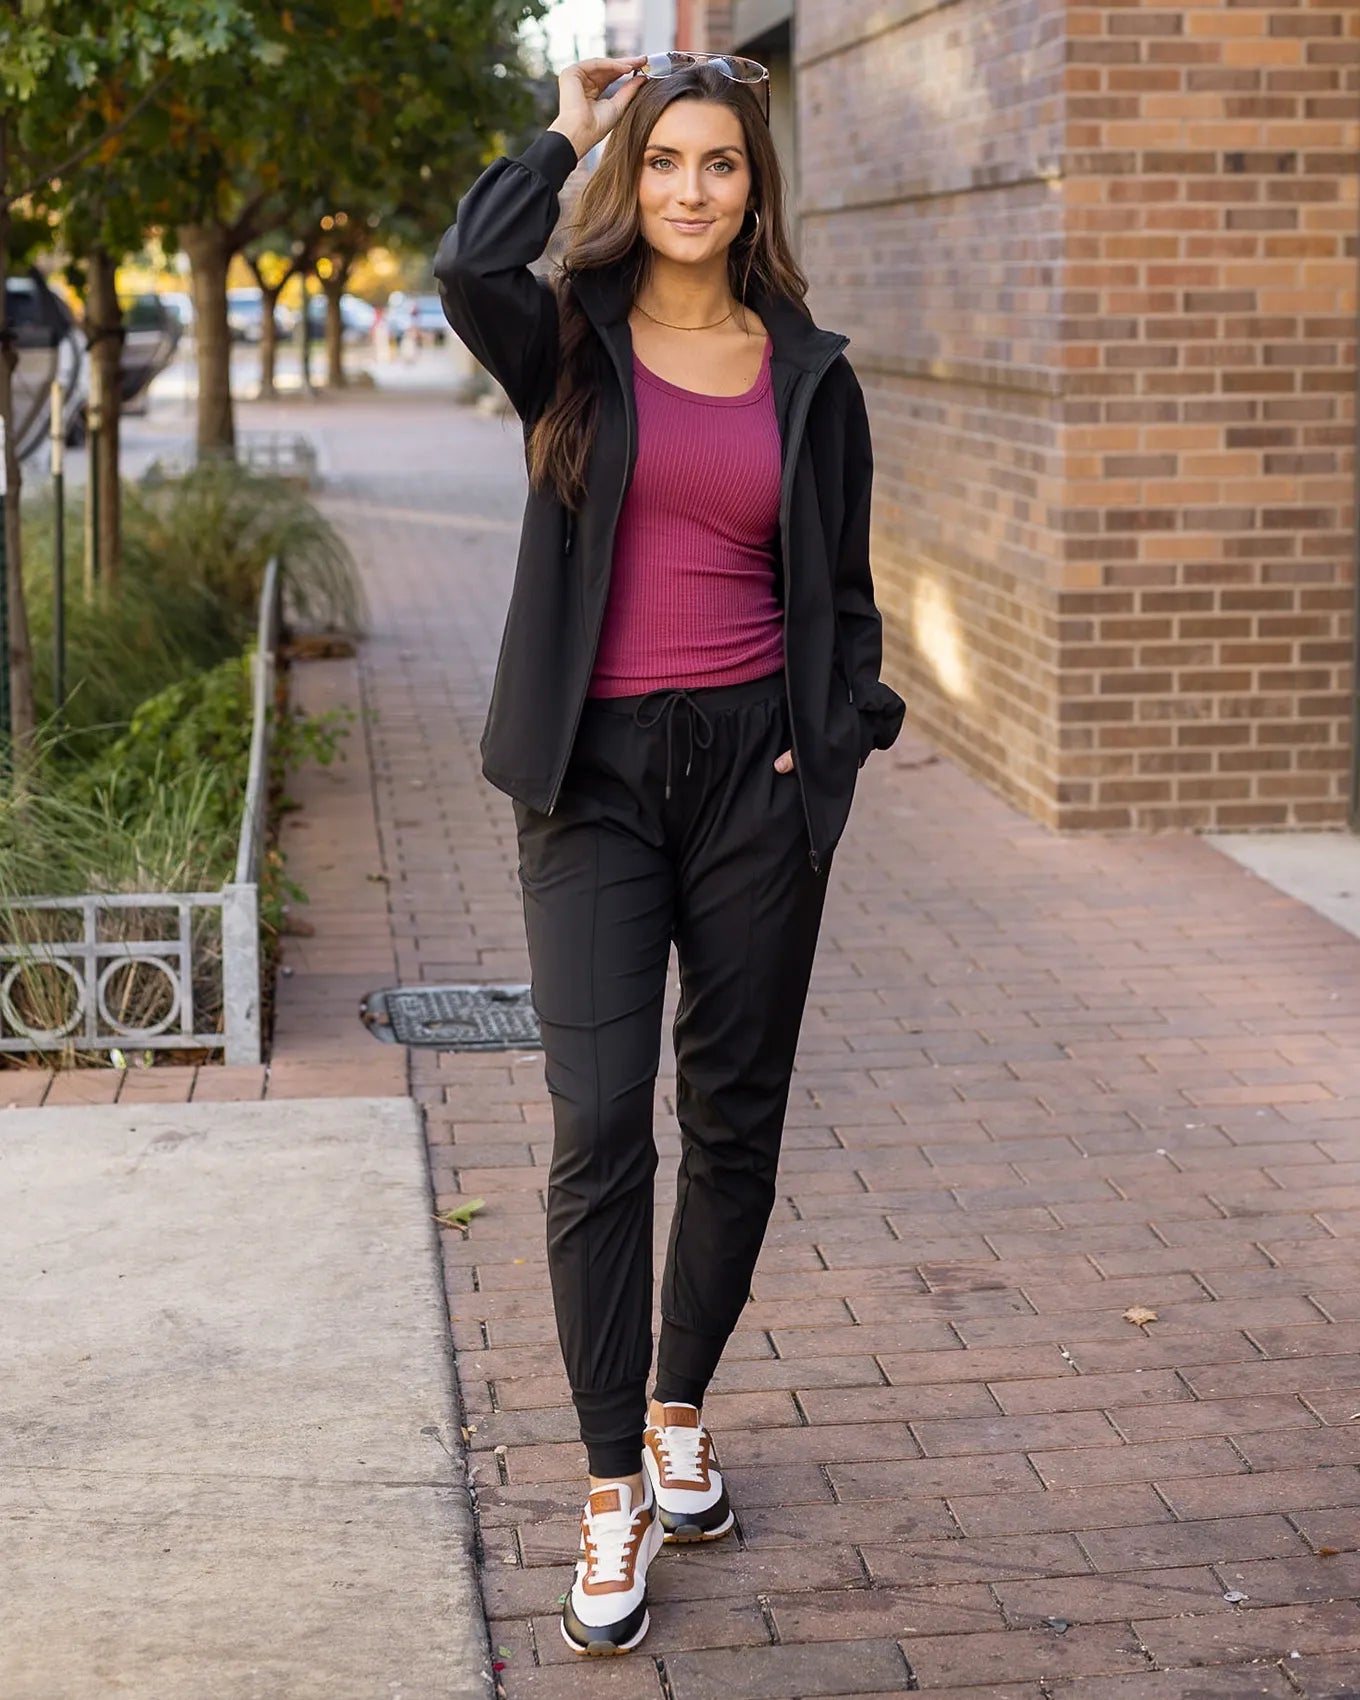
point(671, 824)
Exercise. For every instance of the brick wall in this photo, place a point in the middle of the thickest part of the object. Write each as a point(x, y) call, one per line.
point(1098, 265)
point(932, 232)
point(1214, 484)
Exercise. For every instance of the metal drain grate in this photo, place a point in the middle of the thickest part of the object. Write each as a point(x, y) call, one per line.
point(453, 1018)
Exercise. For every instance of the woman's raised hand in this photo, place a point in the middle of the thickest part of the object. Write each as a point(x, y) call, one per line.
point(582, 117)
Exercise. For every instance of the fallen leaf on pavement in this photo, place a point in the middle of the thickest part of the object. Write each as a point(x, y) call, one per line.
point(461, 1215)
point(1140, 1315)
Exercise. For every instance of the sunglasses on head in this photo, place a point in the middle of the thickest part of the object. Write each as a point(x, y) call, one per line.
point(738, 70)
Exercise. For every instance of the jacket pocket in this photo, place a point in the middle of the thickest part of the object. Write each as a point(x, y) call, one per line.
point(880, 720)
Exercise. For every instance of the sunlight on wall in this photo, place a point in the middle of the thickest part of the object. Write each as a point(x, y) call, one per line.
point(939, 639)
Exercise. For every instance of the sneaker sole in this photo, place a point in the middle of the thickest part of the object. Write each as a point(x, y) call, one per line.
point(690, 1534)
point(605, 1649)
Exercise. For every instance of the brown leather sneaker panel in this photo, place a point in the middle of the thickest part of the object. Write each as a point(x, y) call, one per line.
point(681, 1416)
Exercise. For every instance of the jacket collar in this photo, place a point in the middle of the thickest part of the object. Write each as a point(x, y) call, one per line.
point(605, 297)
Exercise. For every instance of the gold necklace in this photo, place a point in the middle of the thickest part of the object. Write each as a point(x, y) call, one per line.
point(646, 315)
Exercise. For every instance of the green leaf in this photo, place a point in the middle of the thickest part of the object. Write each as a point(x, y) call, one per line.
point(461, 1215)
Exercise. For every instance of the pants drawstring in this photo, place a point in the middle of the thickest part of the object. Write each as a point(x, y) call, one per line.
point(700, 726)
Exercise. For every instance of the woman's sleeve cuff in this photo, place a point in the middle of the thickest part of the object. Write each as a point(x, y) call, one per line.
point(552, 156)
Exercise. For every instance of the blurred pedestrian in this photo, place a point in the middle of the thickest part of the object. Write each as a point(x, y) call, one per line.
point(410, 334)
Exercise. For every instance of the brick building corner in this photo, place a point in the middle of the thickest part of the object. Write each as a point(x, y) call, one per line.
point(1098, 264)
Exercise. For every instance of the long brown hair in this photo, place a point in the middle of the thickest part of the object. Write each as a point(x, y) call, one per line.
point(608, 233)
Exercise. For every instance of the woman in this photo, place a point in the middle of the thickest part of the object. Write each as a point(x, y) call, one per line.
point(687, 686)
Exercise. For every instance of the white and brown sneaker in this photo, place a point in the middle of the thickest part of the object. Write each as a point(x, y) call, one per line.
point(605, 1610)
point(678, 1457)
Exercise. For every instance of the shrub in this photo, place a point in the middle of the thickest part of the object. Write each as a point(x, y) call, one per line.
point(220, 524)
point(142, 790)
point(195, 552)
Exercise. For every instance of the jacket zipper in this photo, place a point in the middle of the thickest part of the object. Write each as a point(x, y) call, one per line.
point(604, 599)
point(796, 428)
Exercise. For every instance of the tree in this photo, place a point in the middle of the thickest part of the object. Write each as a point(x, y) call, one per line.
point(419, 121)
point(342, 246)
point(337, 92)
point(273, 261)
point(104, 333)
point(74, 76)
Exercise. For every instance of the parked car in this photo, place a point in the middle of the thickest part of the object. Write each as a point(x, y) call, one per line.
point(49, 345)
point(356, 317)
point(50, 342)
point(181, 304)
point(152, 332)
point(245, 316)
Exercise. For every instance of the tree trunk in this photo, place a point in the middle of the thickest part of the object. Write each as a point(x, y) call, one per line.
point(209, 251)
point(305, 328)
point(23, 710)
point(334, 287)
point(268, 342)
point(104, 328)
point(269, 337)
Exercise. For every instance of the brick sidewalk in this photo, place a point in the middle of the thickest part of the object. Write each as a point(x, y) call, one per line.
point(1042, 1081)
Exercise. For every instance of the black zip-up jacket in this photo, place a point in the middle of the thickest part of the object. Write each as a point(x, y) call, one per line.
point(839, 709)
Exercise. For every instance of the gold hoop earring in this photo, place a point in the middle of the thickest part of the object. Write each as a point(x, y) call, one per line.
point(755, 229)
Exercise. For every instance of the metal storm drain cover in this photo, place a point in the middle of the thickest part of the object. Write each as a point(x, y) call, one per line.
point(453, 1018)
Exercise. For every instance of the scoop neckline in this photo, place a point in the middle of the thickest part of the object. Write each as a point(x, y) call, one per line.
point(744, 399)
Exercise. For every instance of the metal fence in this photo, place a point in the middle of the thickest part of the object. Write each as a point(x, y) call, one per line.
point(283, 454)
point(92, 959)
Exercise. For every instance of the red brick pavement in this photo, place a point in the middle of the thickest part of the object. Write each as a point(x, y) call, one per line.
point(1042, 1081)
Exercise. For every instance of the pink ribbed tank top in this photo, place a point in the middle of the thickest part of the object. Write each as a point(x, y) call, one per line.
point(691, 596)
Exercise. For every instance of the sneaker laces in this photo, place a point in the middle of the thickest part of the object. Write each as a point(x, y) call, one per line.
point(681, 1450)
point(611, 1536)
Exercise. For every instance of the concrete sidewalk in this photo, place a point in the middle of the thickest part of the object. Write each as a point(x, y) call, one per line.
point(229, 1449)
